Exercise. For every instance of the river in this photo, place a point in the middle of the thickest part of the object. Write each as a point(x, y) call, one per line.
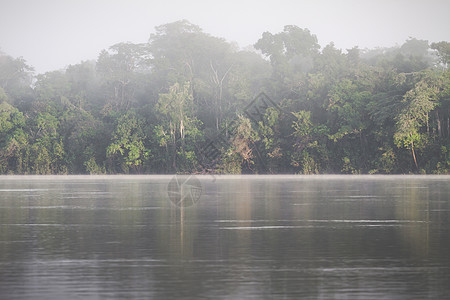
point(224, 237)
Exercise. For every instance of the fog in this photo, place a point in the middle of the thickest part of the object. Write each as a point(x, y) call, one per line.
point(51, 34)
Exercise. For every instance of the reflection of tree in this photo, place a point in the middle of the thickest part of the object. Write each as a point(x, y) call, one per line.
point(417, 211)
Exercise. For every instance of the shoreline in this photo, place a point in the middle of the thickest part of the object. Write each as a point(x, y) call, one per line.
point(223, 176)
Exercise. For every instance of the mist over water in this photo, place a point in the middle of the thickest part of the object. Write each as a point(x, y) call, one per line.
point(247, 237)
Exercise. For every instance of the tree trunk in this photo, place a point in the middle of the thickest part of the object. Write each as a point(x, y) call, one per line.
point(438, 123)
point(218, 91)
point(414, 154)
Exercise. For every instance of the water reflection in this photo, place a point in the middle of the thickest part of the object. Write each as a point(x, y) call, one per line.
point(256, 237)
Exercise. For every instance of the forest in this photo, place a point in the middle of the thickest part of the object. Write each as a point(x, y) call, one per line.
point(189, 102)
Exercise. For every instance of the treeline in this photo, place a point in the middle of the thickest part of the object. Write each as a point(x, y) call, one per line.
point(183, 103)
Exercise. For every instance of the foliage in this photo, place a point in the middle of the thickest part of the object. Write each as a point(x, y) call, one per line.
point(127, 148)
point(310, 154)
point(240, 154)
point(155, 107)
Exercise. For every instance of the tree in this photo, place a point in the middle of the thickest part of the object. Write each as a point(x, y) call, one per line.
point(443, 52)
point(182, 52)
point(85, 140)
point(15, 77)
point(310, 153)
point(127, 147)
point(46, 153)
point(173, 49)
point(13, 139)
point(178, 124)
point(85, 86)
point(119, 68)
point(240, 154)
point(348, 103)
point(287, 45)
point(413, 56)
point(420, 101)
point(52, 88)
point(291, 53)
point(270, 137)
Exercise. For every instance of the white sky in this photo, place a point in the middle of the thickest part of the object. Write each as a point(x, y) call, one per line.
point(51, 34)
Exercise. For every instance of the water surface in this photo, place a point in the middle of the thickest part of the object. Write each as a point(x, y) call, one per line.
point(247, 237)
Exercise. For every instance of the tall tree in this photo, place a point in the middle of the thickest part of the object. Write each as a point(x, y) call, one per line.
point(291, 53)
point(15, 77)
point(419, 101)
point(178, 124)
point(119, 68)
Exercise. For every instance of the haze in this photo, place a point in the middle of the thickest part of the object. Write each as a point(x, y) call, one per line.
point(51, 34)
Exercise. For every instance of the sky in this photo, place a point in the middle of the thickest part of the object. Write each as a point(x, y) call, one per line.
point(52, 34)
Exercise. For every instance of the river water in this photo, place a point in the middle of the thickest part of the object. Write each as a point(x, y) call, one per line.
point(225, 237)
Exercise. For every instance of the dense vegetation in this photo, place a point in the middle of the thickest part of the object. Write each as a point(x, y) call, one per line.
point(156, 107)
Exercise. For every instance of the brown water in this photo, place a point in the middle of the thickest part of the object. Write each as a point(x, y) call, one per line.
point(255, 237)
